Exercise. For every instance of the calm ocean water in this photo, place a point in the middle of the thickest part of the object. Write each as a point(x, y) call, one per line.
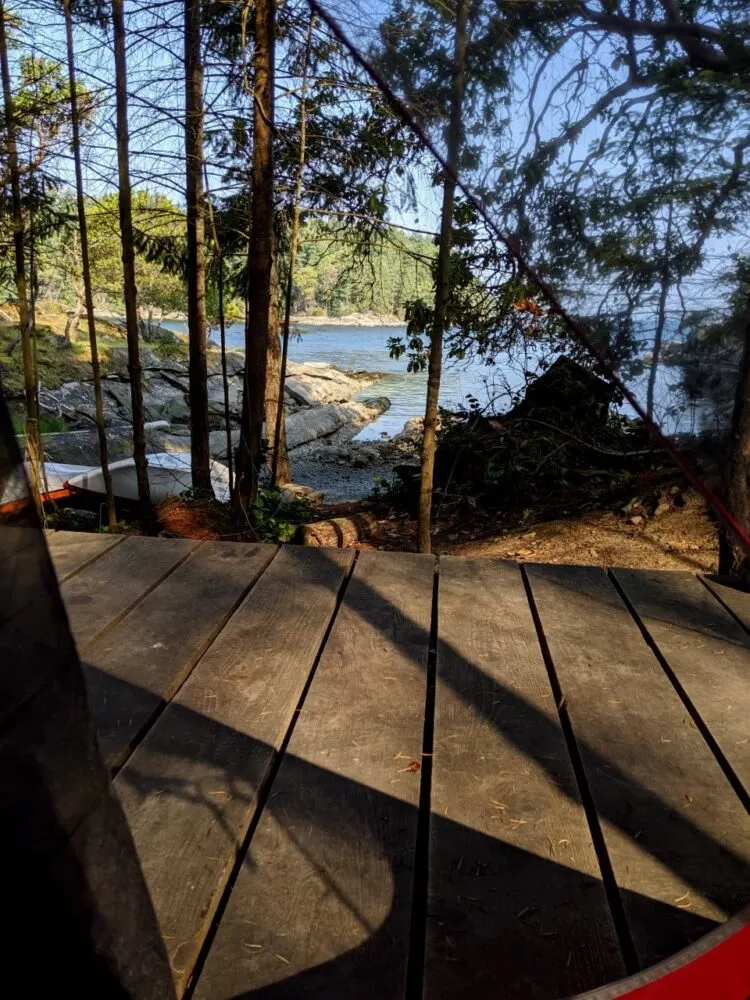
point(366, 349)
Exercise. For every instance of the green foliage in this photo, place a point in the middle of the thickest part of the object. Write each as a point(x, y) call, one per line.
point(48, 424)
point(275, 518)
point(158, 223)
point(561, 444)
point(336, 274)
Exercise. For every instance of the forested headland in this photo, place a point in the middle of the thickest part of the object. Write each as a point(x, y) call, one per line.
point(559, 187)
point(334, 276)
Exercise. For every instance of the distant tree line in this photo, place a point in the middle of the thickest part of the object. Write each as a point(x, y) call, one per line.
point(334, 276)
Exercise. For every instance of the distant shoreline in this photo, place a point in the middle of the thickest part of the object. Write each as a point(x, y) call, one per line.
point(353, 320)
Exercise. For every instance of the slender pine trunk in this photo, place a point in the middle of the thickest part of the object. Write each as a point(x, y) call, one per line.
point(33, 440)
point(260, 264)
point(222, 332)
point(86, 268)
point(200, 456)
point(661, 318)
point(279, 431)
point(225, 378)
point(454, 134)
point(128, 263)
point(277, 458)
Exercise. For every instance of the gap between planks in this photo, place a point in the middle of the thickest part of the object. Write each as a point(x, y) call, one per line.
point(140, 664)
point(675, 831)
point(191, 787)
point(338, 832)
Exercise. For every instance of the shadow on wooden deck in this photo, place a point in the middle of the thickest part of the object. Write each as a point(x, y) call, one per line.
point(321, 814)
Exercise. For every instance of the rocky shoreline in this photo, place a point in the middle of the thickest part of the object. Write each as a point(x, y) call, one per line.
point(353, 319)
point(325, 410)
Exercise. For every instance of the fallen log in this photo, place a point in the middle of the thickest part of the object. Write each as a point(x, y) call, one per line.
point(338, 532)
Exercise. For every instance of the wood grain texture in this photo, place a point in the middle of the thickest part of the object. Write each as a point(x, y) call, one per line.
point(109, 587)
point(72, 550)
point(515, 892)
point(138, 664)
point(732, 594)
point(707, 650)
point(677, 835)
point(322, 905)
point(92, 912)
point(191, 787)
point(35, 641)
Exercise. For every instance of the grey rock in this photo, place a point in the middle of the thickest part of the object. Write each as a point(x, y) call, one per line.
point(75, 402)
point(81, 447)
point(235, 363)
point(411, 433)
point(322, 421)
point(366, 455)
point(216, 396)
point(317, 383)
point(295, 491)
point(217, 442)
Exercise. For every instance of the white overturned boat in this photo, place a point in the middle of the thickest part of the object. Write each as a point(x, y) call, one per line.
point(53, 485)
point(169, 475)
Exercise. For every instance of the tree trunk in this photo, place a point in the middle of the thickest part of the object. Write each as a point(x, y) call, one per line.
point(33, 441)
point(260, 263)
point(443, 278)
point(74, 318)
point(661, 316)
point(224, 377)
point(732, 556)
point(222, 332)
point(658, 338)
point(280, 428)
point(277, 458)
point(128, 263)
point(87, 289)
point(200, 456)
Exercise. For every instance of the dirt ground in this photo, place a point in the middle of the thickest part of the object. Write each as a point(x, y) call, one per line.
point(679, 538)
point(676, 534)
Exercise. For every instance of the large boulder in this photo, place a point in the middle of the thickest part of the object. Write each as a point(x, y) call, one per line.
point(150, 362)
point(81, 447)
point(316, 383)
point(75, 402)
point(235, 363)
point(320, 422)
point(411, 434)
point(216, 396)
point(163, 399)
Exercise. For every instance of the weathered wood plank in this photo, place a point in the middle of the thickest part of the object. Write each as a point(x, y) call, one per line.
point(72, 550)
point(677, 835)
point(706, 649)
point(191, 787)
point(35, 641)
point(89, 916)
point(338, 833)
point(105, 590)
point(139, 663)
point(735, 597)
point(516, 904)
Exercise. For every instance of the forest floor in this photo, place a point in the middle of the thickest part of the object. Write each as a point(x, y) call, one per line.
point(681, 536)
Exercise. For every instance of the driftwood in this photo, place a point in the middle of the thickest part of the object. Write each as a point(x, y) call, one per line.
point(338, 532)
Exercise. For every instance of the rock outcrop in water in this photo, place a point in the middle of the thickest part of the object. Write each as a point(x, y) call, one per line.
point(319, 400)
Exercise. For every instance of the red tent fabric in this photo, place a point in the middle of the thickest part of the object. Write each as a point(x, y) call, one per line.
point(715, 968)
